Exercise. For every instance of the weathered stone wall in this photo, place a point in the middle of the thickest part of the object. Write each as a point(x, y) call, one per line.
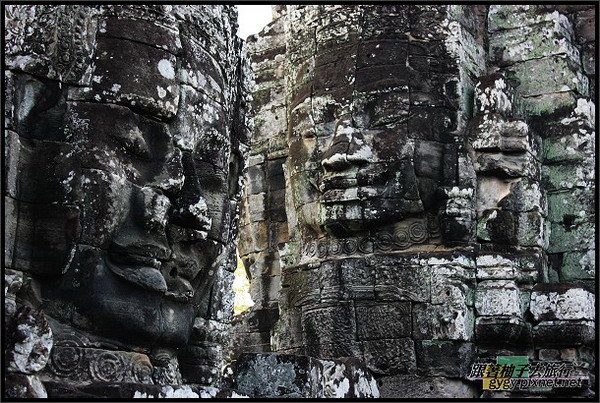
point(493, 105)
point(126, 138)
point(263, 226)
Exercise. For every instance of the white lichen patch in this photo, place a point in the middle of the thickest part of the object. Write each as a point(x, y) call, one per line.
point(584, 111)
point(588, 261)
point(200, 210)
point(31, 354)
point(494, 98)
point(366, 385)
point(235, 395)
point(498, 297)
point(166, 69)
point(179, 392)
point(574, 304)
point(68, 183)
point(455, 191)
point(335, 383)
point(142, 395)
point(157, 206)
point(161, 91)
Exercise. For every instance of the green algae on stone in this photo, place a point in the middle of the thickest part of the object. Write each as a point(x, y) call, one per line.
point(578, 266)
point(571, 238)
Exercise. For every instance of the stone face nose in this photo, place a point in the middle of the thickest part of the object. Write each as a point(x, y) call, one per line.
point(156, 207)
point(171, 177)
point(347, 149)
point(189, 208)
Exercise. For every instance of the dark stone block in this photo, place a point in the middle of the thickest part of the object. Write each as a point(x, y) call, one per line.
point(444, 322)
point(502, 228)
point(142, 31)
point(10, 229)
point(114, 139)
point(585, 25)
point(255, 179)
point(135, 85)
point(502, 331)
point(433, 124)
point(390, 356)
point(357, 280)
point(564, 333)
point(386, 113)
point(20, 386)
point(45, 238)
point(398, 279)
point(261, 320)
point(444, 358)
point(301, 287)
point(330, 331)
point(428, 159)
point(382, 52)
point(43, 174)
point(450, 164)
point(330, 278)
point(418, 387)
point(425, 20)
point(383, 321)
point(44, 105)
point(276, 198)
point(374, 78)
point(385, 22)
point(332, 75)
point(588, 58)
point(456, 230)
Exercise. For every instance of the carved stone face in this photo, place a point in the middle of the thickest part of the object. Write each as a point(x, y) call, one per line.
point(155, 218)
point(140, 174)
point(358, 158)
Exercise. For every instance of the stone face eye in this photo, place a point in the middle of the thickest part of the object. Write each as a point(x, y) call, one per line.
point(133, 142)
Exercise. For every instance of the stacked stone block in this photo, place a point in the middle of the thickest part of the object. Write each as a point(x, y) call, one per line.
point(583, 19)
point(290, 376)
point(568, 174)
point(264, 229)
point(536, 46)
point(328, 301)
point(553, 303)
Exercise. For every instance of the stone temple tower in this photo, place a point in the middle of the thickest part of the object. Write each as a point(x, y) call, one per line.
point(420, 191)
